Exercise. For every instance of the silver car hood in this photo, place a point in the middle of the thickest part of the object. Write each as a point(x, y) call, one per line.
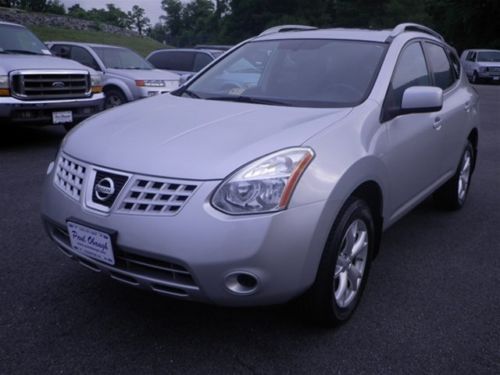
point(495, 64)
point(191, 138)
point(144, 74)
point(37, 62)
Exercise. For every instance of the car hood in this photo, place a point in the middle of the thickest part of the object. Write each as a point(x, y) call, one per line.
point(144, 74)
point(37, 62)
point(489, 64)
point(192, 138)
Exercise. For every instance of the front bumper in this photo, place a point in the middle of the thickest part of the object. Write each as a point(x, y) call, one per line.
point(191, 254)
point(490, 76)
point(17, 111)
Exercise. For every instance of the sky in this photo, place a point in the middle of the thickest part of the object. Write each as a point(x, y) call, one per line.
point(152, 7)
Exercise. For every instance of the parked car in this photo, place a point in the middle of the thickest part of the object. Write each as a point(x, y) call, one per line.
point(481, 65)
point(38, 88)
point(183, 60)
point(127, 76)
point(257, 194)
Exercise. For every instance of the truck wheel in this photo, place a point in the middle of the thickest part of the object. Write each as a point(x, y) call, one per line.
point(114, 98)
point(344, 266)
point(452, 195)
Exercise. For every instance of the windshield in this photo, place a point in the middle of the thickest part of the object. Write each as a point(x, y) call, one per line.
point(491, 56)
point(303, 73)
point(121, 58)
point(17, 39)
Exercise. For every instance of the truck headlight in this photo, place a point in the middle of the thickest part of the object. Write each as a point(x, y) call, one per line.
point(483, 69)
point(4, 86)
point(96, 83)
point(150, 83)
point(265, 185)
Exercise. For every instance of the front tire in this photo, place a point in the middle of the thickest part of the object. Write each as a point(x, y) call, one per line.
point(475, 78)
point(114, 98)
point(453, 194)
point(344, 266)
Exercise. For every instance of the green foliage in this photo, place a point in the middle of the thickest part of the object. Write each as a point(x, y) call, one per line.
point(138, 20)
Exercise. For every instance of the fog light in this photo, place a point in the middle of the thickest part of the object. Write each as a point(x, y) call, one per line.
point(50, 168)
point(243, 283)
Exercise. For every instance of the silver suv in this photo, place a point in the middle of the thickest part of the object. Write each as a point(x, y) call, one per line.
point(481, 65)
point(273, 172)
point(127, 76)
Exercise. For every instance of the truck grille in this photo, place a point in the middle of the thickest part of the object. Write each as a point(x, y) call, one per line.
point(50, 85)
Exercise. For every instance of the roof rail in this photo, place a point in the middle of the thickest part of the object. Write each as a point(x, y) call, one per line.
point(401, 28)
point(284, 28)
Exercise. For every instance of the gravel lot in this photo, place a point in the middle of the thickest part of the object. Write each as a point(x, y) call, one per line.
point(432, 304)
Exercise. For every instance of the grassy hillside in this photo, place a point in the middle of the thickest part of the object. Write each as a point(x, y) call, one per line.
point(141, 45)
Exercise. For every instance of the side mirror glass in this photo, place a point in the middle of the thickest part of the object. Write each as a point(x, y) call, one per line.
point(422, 99)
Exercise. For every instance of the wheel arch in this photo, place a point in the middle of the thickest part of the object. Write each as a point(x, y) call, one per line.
point(118, 85)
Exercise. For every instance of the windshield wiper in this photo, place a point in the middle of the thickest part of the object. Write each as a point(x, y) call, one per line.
point(21, 51)
point(249, 99)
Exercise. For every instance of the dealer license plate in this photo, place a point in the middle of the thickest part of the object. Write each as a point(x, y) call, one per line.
point(496, 78)
point(91, 243)
point(62, 117)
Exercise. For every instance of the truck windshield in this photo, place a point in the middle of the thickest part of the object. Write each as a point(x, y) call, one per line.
point(18, 40)
point(297, 72)
point(491, 56)
point(121, 58)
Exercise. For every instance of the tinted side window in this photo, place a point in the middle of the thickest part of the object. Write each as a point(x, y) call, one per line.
point(61, 50)
point(83, 57)
point(200, 61)
point(411, 70)
point(174, 60)
point(440, 66)
point(455, 63)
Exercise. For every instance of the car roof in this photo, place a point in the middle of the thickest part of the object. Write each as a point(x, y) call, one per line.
point(188, 50)
point(83, 44)
point(406, 30)
point(10, 23)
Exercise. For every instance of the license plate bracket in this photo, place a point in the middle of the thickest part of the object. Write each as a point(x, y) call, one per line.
point(91, 242)
point(62, 117)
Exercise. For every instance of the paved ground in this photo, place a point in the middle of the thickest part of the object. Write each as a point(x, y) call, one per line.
point(432, 304)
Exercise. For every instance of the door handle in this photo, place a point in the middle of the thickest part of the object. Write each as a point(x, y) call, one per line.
point(438, 123)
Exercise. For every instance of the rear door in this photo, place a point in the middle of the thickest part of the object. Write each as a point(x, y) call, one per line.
point(445, 71)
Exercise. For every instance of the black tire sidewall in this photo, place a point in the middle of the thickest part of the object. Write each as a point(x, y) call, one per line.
point(327, 309)
point(114, 92)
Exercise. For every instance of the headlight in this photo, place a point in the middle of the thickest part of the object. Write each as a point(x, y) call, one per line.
point(150, 83)
point(483, 69)
point(96, 83)
point(4, 86)
point(265, 185)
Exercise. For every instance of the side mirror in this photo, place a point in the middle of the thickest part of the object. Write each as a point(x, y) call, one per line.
point(184, 78)
point(421, 99)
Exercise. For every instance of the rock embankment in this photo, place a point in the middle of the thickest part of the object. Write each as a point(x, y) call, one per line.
point(52, 20)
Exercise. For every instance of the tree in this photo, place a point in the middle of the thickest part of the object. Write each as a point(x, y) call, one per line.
point(55, 7)
point(138, 20)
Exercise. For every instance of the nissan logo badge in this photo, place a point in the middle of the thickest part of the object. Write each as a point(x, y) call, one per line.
point(104, 189)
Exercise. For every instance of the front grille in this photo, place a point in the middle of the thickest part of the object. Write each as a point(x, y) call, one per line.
point(102, 177)
point(156, 196)
point(34, 85)
point(494, 69)
point(140, 265)
point(70, 177)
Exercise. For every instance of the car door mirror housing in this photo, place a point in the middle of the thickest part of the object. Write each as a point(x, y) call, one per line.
point(422, 99)
point(184, 78)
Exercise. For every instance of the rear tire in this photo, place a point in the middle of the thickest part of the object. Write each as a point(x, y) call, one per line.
point(453, 194)
point(344, 267)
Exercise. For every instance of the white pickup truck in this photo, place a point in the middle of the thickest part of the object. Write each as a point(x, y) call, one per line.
point(38, 88)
